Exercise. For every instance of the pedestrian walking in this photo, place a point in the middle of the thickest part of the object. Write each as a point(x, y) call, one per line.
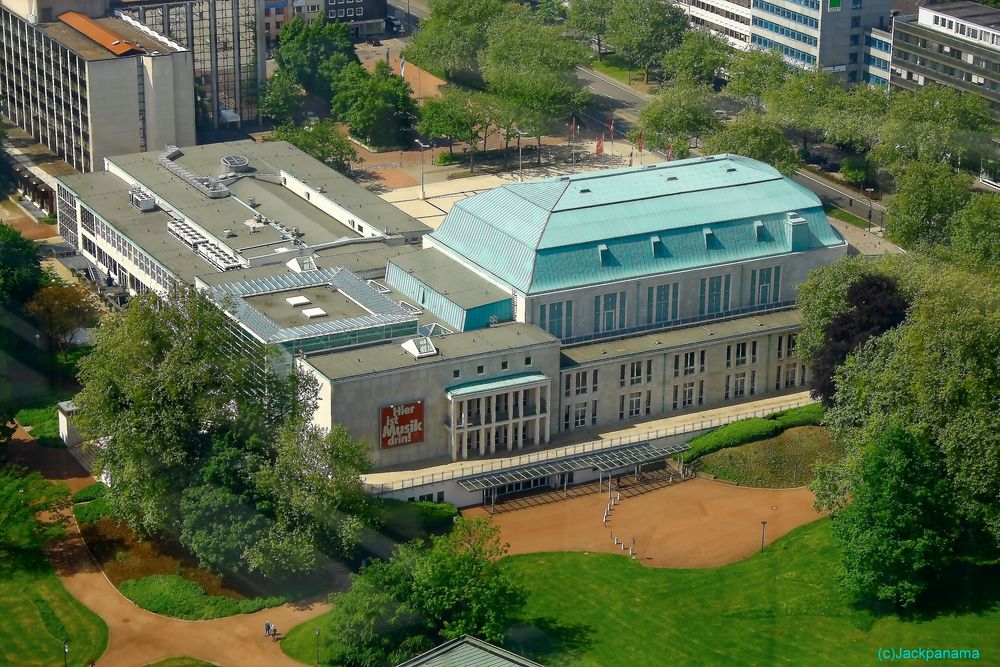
point(267, 628)
point(274, 633)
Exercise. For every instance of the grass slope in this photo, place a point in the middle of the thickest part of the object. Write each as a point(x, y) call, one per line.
point(300, 642)
point(780, 462)
point(782, 607)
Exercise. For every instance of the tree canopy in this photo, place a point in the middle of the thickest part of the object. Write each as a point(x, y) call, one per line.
point(975, 234)
point(758, 137)
point(62, 309)
point(322, 141)
point(644, 30)
point(700, 56)
point(927, 196)
point(591, 18)
point(680, 111)
point(753, 74)
point(20, 267)
point(421, 597)
point(382, 112)
point(200, 443)
point(798, 103)
point(281, 100)
point(450, 40)
point(305, 46)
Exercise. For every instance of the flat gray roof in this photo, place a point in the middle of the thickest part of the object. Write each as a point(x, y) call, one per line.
point(972, 12)
point(698, 334)
point(450, 279)
point(391, 356)
point(334, 303)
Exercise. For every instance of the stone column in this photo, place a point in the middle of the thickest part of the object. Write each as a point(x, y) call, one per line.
point(548, 411)
point(454, 429)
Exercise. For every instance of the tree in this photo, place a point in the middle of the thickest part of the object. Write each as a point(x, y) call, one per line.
point(875, 306)
point(932, 124)
point(530, 69)
point(975, 235)
point(755, 73)
point(856, 118)
point(459, 115)
point(591, 18)
point(857, 170)
point(20, 267)
point(644, 30)
point(383, 112)
point(550, 12)
point(898, 532)
point(305, 46)
point(282, 98)
point(700, 55)
point(680, 111)
point(322, 141)
point(755, 136)
point(798, 103)
point(421, 597)
point(218, 527)
point(927, 196)
point(450, 40)
point(61, 310)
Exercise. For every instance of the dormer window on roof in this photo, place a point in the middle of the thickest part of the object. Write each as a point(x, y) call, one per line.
point(603, 254)
point(420, 347)
point(709, 237)
point(760, 232)
point(658, 246)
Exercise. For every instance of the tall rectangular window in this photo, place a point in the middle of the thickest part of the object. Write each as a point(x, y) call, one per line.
point(739, 385)
point(675, 397)
point(777, 382)
point(569, 319)
point(580, 415)
point(635, 404)
point(687, 399)
point(741, 354)
point(593, 412)
point(621, 376)
point(649, 400)
point(714, 297)
point(566, 385)
point(753, 352)
point(689, 363)
point(649, 370)
point(594, 386)
point(701, 361)
point(677, 365)
point(621, 407)
point(609, 312)
point(555, 324)
point(753, 382)
point(781, 351)
point(661, 303)
point(581, 383)
point(701, 392)
point(635, 373)
point(791, 344)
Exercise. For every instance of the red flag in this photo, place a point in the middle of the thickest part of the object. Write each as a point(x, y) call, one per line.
point(599, 149)
point(640, 141)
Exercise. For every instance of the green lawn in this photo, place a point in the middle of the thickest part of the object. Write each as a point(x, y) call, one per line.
point(780, 462)
point(844, 216)
point(37, 612)
point(782, 607)
point(613, 65)
point(300, 643)
point(172, 595)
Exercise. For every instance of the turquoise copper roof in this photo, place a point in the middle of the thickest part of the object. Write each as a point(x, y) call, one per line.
point(597, 227)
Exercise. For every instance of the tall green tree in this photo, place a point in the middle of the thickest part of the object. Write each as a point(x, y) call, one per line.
point(680, 111)
point(799, 103)
point(753, 74)
point(531, 68)
point(450, 40)
point(281, 101)
point(644, 30)
point(63, 309)
point(897, 535)
point(927, 196)
point(856, 117)
point(591, 18)
point(550, 12)
point(305, 46)
point(322, 141)
point(975, 232)
point(755, 136)
point(701, 55)
point(383, 111)
point(932, 124)
point(423, 596)
point(20, 267)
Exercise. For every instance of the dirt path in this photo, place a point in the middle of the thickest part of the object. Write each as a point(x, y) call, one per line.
point(138, 637)
point(698, 523)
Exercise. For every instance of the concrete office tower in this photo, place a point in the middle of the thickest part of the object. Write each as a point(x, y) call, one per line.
point(828, 33)
point(92, 87)
point(227, 39)
point(954, 44)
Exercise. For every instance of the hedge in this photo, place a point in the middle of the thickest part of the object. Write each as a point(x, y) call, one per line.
point(172, 595)
point(417, 518)
point(752, 429)
point(92, 492)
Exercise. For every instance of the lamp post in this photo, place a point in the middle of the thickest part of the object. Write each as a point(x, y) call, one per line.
point(422, 147)
point(869, 191)
point(65, 651)
point(763, 525)
point(520, 162)
point(317, 647)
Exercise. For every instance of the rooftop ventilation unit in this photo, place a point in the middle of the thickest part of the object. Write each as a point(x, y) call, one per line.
point(186, 234)
point(203, 184)
point(142, 200)
point(297, 300)
point(230, 234)
point(235, 163)
point(221, 259)
point(420, 347)
point(313, 313)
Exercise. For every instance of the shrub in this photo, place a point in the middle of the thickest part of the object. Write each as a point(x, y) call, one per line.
point(731, 435)
point(92, 492)
point(92, 511)
point(417, 518)
point(804, 415)
point(172, 595)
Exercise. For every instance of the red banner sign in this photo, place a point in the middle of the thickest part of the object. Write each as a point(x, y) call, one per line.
point(402, 424)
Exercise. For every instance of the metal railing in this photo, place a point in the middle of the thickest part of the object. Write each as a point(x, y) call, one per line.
point(572, 450)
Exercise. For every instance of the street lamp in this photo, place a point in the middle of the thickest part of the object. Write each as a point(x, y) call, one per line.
point(422, 147)
point(65, 651)
point(763, 525)
point(869, 191)
point(317, 647)
point(520, 162)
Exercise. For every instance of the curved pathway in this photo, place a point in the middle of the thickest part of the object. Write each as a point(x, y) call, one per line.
point(697, 523)
point(138, 637)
